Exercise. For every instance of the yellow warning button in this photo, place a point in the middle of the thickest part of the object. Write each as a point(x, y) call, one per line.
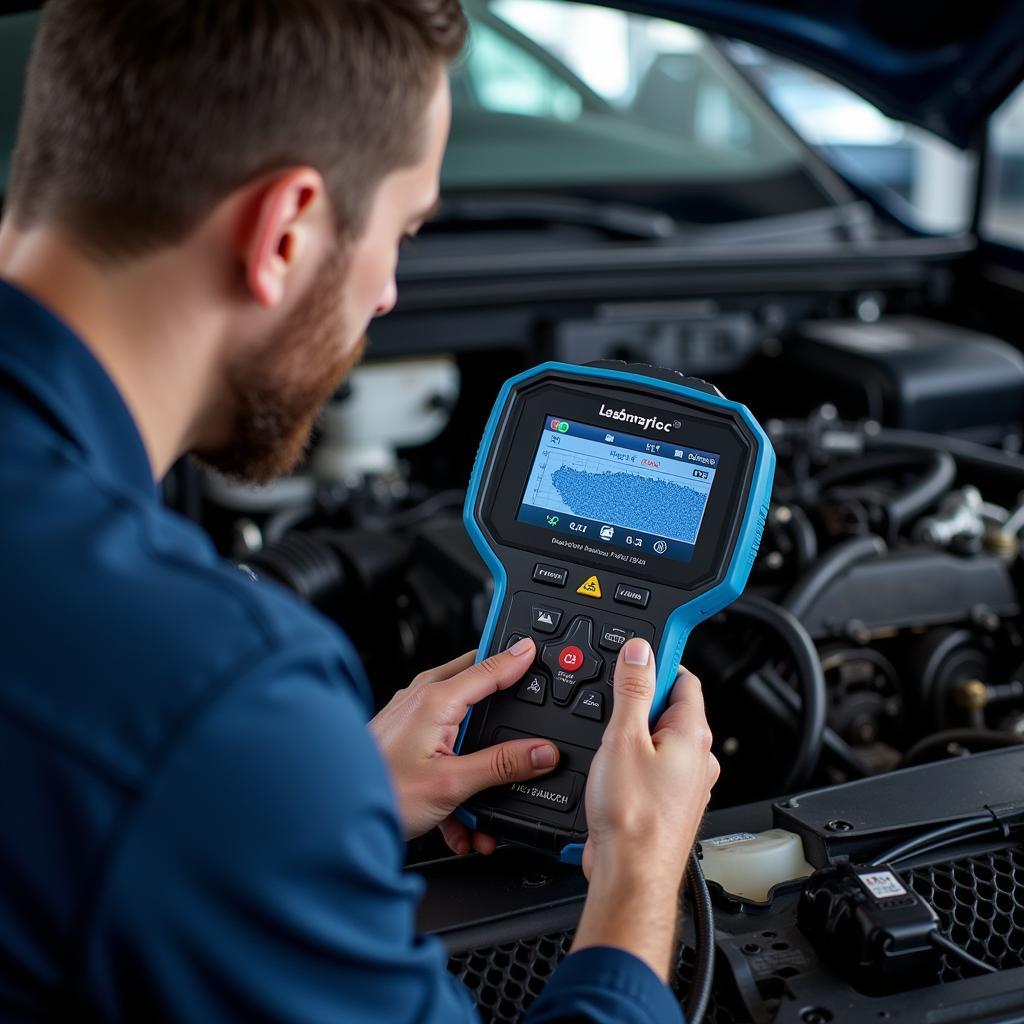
point(592, 588)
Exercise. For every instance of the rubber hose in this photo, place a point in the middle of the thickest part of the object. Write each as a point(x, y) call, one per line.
point(936, 482)
point(964, 451)
point(805, 540)
point(813, 583)
point(301, 562)
point(704, 925)
point(812, 684)
point(938, 478)
point(989, 739)
point(784, 706)
point(878, 464)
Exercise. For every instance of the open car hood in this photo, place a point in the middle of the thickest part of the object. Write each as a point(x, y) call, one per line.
point(944, 65)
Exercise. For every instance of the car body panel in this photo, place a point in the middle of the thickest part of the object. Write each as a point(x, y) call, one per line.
point(944, 66)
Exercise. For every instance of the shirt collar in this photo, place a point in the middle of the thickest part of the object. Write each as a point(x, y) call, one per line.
point(47, 359)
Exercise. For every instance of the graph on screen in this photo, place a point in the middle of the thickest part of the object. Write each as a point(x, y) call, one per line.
point(638, 499)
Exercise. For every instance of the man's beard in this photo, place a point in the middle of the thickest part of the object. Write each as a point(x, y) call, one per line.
point(280, 392)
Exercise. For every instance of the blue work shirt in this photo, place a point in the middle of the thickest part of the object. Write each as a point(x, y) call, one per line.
point(195, 823)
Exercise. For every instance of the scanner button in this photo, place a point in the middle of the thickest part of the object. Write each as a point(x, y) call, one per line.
point(590, 704)
point(614, 637)
point(561, 689)
point(637, 596)
point(533, 689)
point(546, 620)
point(513, 638)
point(570, 659)
point(550, 575)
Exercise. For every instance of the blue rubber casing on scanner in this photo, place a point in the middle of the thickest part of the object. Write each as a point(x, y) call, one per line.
point(686, 616)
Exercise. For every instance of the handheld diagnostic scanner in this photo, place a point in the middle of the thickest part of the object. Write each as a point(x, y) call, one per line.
point(608, 501)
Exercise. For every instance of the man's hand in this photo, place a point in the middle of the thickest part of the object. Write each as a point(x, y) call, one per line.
point(646, 795)
point(418, 729)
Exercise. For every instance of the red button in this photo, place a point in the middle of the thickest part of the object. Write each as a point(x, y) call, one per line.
point(571, 659)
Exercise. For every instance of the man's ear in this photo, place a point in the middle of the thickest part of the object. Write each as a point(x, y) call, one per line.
point(287, 216)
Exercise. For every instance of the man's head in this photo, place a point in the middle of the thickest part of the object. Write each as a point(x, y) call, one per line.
point(299, 140)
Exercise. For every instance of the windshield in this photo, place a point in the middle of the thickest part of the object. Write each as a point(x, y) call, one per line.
point(587, 103)
point(571, 98)
point(16, 34)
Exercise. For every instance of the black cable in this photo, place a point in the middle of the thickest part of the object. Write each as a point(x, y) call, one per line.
point(948, 946)
point(425, 510)
point(988, 739)
point(813, 583)
point(991, 831)
point(704, 926)
point(926, 839)
point(812, 683)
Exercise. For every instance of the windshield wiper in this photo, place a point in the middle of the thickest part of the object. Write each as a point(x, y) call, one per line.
point(620, 219)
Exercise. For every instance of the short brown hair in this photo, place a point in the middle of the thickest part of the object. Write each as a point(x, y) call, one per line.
point(142, 115)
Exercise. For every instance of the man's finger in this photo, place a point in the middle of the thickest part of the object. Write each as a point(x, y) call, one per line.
point(452, 668)
point(514, 761)
point(484, 843)
point(456, 835)
point(634, 688)
point(496, 673)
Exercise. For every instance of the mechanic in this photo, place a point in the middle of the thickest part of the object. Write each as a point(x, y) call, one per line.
point(206, 204)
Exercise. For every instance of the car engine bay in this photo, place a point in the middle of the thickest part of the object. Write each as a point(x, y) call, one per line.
point(880, 631)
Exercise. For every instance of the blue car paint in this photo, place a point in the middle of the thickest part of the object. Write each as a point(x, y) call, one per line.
point(946, 79)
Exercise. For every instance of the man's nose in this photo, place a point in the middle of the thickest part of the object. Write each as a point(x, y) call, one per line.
point(388, 299)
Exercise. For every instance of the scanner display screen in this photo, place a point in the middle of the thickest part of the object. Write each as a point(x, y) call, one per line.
point(599, 485)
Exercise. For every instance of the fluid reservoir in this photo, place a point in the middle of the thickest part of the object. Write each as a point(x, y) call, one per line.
point(747, 866)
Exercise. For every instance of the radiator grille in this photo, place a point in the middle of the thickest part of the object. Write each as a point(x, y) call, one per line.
point(980, 903)
point(504, 980)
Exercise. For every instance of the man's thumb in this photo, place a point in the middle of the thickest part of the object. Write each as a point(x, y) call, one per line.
point(513, 761)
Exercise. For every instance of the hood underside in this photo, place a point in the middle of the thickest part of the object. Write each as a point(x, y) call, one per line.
point(944, 65)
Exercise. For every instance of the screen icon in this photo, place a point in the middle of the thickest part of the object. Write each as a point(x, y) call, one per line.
point(609, 438)
point(660, 547)
point(553, 520)
point(563, 427)
point(607, 532)
point(680, 453)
